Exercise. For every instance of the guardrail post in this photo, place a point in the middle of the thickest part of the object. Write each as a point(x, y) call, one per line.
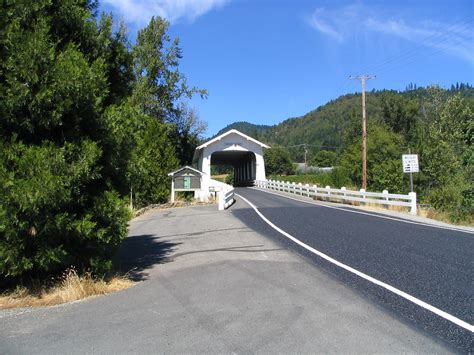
point(363, 193)
point(300, 187)
point(343, 192)
point(385, 192)
point(412, 203)
point(328, 192)
point(307, 189)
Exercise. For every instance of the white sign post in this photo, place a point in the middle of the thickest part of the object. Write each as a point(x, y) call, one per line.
point(410, 165)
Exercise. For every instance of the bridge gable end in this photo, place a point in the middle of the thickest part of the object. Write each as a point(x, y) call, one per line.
point(233, 148)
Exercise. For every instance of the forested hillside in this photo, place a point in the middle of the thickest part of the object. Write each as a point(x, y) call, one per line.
point(251, 129)
point(88, 122)
point(436, 123)
point(324, 128)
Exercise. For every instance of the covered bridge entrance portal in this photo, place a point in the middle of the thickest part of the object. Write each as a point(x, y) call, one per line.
point(242, 152)
point(244, 164)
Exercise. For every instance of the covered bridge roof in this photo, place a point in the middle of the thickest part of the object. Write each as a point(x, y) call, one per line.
point(218, 138)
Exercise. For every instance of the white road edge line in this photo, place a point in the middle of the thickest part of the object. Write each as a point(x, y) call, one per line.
point(398, 292)
point(365, 213)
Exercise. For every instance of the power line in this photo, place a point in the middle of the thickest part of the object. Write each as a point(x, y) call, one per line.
point(410, 54)
point(432, 40)
point(312, 145)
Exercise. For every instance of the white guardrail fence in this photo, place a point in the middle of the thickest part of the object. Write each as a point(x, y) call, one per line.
point(225, 193)
point(226, 198)
point(342, 194)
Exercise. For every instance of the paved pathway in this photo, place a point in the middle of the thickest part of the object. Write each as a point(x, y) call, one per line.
point(210, 284)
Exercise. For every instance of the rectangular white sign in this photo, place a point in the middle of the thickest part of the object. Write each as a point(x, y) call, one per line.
point(410, 163)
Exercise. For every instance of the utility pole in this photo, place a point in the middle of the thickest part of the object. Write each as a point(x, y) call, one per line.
point(363, 79)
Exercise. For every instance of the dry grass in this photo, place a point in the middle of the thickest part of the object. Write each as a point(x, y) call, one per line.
point(421, 212)
point(444, 217)
point(71, 287)
point(221, 177)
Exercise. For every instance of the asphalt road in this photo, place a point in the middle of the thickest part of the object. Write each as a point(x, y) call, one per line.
point(209, 283)
point(430, 263)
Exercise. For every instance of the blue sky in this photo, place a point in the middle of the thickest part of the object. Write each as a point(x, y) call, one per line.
point(265, 61)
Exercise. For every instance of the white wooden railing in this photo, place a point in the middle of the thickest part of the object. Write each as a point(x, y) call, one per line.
point(342, 194)
point(225, 193)
point(226, 198)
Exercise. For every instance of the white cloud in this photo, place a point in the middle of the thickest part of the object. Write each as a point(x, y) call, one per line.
point(320, 24)
point(457, 39)
point(336, 23)
point(139, 12)
point(347, 22)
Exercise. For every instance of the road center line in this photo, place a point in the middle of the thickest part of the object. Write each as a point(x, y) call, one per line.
point(398, 292)
point(400, 219)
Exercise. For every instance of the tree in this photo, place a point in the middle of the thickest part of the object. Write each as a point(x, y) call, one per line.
point(278, 162)
point(159, 89)
point(400, 114)
point(448, 156)
point(57, 207)
point(152, 159)
point(159, 83)
point(324, 158)
point(384, 164)
point(84, 118)
point(188, 132)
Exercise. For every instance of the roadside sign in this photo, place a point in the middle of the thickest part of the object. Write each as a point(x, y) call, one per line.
point(410, 163)
point(187, 182)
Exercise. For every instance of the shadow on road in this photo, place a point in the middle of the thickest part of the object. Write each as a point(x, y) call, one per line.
point(140, 252)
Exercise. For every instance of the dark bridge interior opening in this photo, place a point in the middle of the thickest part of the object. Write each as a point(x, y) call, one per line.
point(243, 163)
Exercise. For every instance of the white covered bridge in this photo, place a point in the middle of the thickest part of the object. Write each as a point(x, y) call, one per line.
point(245, 155)
point(242, 152)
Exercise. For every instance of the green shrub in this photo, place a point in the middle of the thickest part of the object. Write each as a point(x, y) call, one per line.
point(278, 162)
point(47, 221)
point(451, 198)
point(230, 179)
point(339, 177)
point(324, 158)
